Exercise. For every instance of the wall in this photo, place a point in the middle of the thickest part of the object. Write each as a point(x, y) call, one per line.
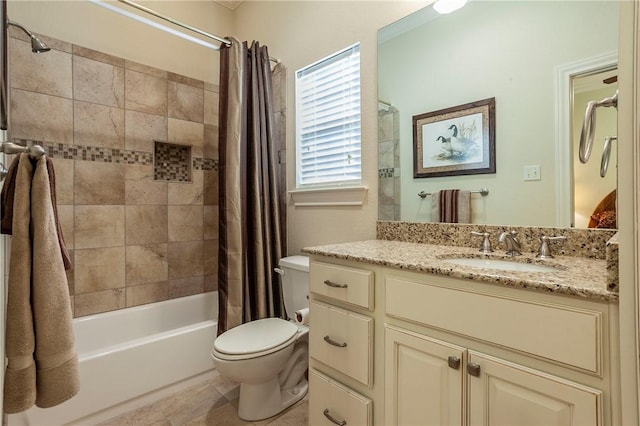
point(91, 26)
point(133, 239)
point(300, 33)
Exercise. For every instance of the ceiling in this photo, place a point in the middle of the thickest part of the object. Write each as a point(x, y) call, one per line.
point(230, 4)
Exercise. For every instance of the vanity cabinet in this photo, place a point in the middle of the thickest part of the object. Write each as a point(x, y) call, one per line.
point(424, 380)
point(341, 344)
point(447, 351)
point(428, 382)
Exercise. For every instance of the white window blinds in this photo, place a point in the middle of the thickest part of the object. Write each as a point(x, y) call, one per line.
point(328, 120)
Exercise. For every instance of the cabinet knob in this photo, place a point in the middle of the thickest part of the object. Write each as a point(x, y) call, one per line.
point(454, 362)
point(332, 342)
point(334, 285)
point(333, 419)
point(473, 369)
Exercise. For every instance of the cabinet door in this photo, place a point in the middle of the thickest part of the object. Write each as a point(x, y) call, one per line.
point(423, 380)
point(503, 393)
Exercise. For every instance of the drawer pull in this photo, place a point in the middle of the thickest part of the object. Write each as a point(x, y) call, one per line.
point(332, 419)
point(473, 369)
point(334, 285)
point(330, 341)
point(454, 362)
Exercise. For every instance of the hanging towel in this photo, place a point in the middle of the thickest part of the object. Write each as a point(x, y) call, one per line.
point(8, 191)
point(42, 363)
point(20, 373)
point(451, 206)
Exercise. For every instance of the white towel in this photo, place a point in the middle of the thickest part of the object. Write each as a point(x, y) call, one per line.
point(451, 206)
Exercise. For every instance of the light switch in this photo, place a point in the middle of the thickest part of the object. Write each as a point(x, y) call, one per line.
point(532, 172)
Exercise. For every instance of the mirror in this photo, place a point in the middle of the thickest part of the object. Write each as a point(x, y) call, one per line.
point(529, 56)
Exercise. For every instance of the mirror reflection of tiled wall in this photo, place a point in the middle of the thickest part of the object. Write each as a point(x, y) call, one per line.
point(133, 239)
point(388, 163)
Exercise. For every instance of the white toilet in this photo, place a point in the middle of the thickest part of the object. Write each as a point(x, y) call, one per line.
point(269, 357)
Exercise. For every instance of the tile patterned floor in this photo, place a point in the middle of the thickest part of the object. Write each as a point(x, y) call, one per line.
point(212, 403)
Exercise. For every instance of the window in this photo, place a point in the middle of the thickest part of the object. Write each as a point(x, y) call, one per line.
point(328, 121)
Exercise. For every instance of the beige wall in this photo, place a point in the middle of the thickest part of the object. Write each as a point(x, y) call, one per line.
point(300, 33)
point(91, 26)
point(138, 230)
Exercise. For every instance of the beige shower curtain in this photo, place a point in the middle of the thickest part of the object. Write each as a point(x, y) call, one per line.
point(251, 234)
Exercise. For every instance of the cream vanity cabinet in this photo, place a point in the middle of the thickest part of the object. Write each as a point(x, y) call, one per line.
point(341, 348)
point(448, 351)
point(459, 352)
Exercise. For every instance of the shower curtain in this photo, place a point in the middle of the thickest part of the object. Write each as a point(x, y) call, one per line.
point(252, 239)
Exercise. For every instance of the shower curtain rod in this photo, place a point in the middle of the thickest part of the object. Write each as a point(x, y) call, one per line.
point(183, 25)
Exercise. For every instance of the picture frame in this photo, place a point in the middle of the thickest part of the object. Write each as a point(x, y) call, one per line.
point(455, 141)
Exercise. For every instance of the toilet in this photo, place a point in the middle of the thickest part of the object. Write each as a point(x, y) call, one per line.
point(269, 357)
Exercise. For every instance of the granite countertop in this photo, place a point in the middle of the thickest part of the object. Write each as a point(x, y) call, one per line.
point(576, 276)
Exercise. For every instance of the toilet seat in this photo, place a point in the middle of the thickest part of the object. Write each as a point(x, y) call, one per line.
point(254, 339)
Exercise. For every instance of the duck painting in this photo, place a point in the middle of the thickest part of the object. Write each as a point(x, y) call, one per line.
point(461, 145)
point(445, 147)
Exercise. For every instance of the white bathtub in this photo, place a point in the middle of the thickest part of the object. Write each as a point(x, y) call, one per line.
point(131, 352)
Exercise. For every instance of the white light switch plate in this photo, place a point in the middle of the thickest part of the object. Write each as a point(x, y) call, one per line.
point(532, 172)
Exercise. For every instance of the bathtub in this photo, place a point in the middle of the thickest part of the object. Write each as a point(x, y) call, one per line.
point(129, 353)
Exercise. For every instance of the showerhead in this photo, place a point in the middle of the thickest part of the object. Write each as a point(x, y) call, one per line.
point(37, 45)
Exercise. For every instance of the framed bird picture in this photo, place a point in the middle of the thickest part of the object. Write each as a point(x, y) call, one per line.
point(455, 141)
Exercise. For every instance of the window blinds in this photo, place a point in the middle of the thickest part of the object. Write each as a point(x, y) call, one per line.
point(328, 120)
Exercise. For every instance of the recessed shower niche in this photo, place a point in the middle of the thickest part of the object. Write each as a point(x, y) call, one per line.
point(171, 162)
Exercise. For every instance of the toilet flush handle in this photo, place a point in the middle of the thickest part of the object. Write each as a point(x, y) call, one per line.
point(279, 271)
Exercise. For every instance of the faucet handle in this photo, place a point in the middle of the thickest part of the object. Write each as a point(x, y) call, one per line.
point(485, 247)
point(544, 252)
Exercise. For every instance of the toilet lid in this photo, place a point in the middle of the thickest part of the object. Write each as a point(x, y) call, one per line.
point(255, 336)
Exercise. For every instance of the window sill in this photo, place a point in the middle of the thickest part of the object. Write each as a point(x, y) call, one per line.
point(348, 196)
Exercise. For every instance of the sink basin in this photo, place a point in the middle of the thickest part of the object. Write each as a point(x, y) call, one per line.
point(503, 265)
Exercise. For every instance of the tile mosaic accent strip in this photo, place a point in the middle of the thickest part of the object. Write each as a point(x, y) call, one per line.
point(385, 173)
point(90, 153)
point(205, 164)
point(172, 162)
point(108, 155)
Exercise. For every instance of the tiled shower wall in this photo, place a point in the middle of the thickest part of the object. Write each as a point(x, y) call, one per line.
point(388, 163)
point(133, 240)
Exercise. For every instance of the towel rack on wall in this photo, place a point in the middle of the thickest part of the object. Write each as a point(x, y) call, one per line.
point(589, 125)
point(482, 191)
point(34, 151)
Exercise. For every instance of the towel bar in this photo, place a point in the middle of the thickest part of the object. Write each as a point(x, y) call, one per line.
point(35, 151)
point(482, 191)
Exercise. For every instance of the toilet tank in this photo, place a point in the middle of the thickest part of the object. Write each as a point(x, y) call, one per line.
point(295, 283)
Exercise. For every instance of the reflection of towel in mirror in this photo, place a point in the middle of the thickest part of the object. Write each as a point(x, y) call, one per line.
point(451, 206)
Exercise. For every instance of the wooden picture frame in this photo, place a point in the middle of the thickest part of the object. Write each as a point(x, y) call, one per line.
point(455, 141)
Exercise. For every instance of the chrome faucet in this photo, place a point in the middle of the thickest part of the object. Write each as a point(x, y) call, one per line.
point(513, 247)
point(544, 252)
point(485, 247)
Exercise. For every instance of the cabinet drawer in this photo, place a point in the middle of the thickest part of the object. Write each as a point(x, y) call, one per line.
point(350, 285)
point(564, 334)
point(331, 400)
point(342, 340)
